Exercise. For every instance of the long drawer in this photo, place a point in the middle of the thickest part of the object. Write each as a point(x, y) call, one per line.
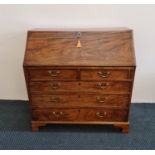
point(104, 87)
point(89, 114)
point(79, 100)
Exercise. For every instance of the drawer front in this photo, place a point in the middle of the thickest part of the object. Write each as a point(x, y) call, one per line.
point(55, 115)
point(52, 74)
point(79, 100)
point(104, 114)
point(103, 87)
point(103, 74)
point(89, 114)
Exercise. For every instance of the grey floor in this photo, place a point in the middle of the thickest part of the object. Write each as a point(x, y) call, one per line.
point(15, 131)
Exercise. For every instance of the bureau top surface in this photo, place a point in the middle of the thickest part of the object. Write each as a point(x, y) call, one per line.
point(99, 47)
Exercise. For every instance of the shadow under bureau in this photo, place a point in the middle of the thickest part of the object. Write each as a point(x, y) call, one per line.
point(80, 77)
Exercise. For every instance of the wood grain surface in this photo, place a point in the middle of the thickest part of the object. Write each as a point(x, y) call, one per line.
point(59, 48)
point(90, 84)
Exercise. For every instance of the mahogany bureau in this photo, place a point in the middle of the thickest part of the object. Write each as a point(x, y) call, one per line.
point(80, 77)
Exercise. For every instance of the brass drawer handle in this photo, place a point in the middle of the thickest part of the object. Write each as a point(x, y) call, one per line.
point(55, 99)
point(103, 74)
point(100, 100)
point(54, 73)
point(98, 114)
point(55, 85)
point(102, 85)
point(57, 114)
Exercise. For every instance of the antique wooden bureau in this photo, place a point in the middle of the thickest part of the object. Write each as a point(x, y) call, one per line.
point(80, 76)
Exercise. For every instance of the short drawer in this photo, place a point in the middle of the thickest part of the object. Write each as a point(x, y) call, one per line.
point(79, 100)
point(55, 114)
point(102, 87)
point(52, 74)
point(103, 74)
point(104, 114)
